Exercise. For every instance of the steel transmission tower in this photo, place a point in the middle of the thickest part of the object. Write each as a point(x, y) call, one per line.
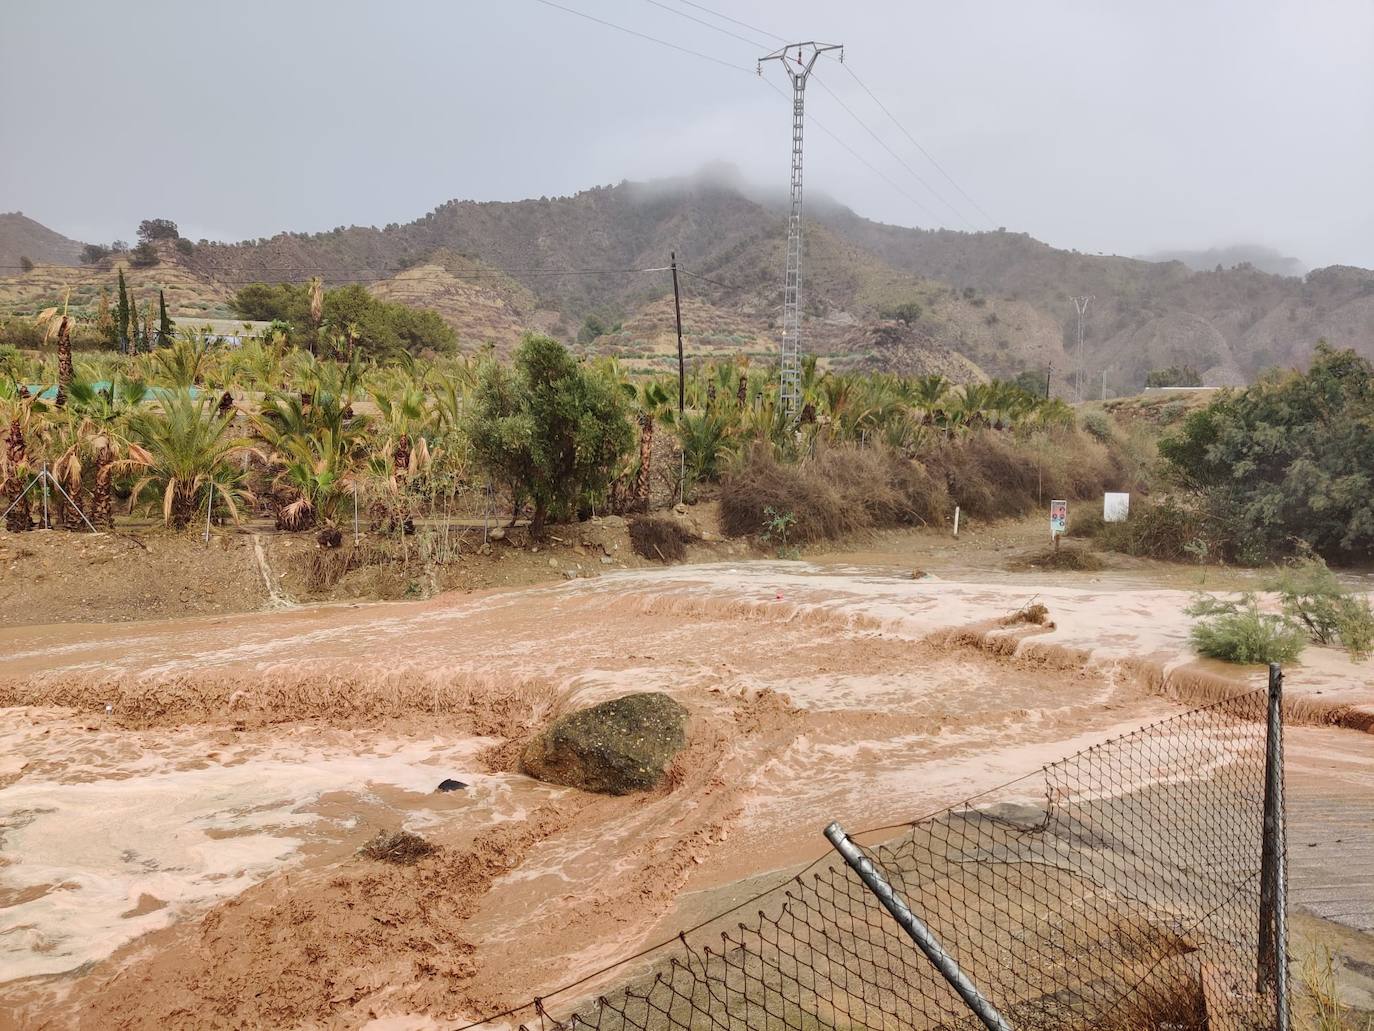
point(797, 59)
point(1080, 305)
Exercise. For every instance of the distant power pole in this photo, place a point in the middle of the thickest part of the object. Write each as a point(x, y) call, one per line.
point(681, 369)
point(798, 70)
point(1081, 306)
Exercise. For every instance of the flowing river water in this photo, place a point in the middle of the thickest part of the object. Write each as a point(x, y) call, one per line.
point(181, 802)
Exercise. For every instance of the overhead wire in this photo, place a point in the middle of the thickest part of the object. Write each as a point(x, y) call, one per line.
point(874, 97)
point(896, 157)
point(644, 35)
point(715, 60)
point(861, 159)
point(916, 143)
point(736, 21)
point(709, 25)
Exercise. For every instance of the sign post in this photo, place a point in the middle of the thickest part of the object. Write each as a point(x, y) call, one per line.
point(1059, 520)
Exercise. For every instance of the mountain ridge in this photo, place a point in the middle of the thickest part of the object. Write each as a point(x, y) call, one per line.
point(998, 300)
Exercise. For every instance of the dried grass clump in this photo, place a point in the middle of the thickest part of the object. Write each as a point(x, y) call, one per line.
point(1032, 612)
point(1073, 559)
point(995, 475)
point(659, 537)
point(839, 491)
point(400, 847)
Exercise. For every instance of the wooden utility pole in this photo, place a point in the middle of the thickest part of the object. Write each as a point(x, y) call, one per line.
point(681, 371)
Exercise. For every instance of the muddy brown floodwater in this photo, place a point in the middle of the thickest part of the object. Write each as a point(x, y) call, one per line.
point(181, 802)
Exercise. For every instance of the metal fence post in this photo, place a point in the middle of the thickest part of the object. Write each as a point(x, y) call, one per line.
point(1273, 915)
point(916, 930)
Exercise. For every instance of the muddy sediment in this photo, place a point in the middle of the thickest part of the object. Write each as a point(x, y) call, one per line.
point(289, 739)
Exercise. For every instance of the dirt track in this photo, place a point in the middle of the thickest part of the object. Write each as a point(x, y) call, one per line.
point(244, 758)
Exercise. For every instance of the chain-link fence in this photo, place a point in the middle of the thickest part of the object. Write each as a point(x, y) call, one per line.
point(1119, 888)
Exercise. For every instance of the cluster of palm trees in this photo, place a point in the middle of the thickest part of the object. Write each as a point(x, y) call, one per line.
point(204, 430)
point(728, 407)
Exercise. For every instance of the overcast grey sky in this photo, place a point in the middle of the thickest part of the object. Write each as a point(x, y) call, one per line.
point(1104, 125)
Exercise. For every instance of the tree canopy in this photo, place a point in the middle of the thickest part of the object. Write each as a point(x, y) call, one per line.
point(1289, 461)
point(151, 229)
point(379, 327)
point(549, 428)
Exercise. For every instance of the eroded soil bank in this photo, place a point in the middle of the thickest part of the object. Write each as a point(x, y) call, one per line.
point(181, 802)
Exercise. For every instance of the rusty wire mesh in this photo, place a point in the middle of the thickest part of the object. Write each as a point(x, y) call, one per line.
point(1118, 888)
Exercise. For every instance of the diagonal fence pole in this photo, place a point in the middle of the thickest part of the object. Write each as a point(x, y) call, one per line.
point(22, 494)
point(1273, 916)
point(916, 930)
point(56, 483)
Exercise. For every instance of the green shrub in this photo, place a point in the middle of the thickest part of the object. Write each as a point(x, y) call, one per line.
point(1313, 597)
point(549, 428)
point(1237, 631)
point(1167, 529)
point(1289, 458)
point(1098, 425)
point(1086, 522)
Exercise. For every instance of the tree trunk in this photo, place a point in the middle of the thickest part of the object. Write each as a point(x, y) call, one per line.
point(400, 459)
point(16, 452)
point(101, 509)
point(183, 507)
point(64, 361)
point(742, 394)
point(71, 514)
point(537, 523)
point(646, 451)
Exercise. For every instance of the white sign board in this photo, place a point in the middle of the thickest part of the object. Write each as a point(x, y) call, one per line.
point(1115, 507)
point(1059, 518)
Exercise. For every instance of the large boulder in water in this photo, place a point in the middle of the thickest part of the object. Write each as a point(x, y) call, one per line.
point(616, 747)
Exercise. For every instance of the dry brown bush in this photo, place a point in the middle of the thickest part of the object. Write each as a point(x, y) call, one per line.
point(659, 537)
point(990, 475)
point(762, 484)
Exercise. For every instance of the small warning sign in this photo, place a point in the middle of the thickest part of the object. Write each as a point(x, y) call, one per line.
point(1059, 518)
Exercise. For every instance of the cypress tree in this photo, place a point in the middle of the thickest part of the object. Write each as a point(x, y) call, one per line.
point(122, 314)
point(165, 326)
point(133, 325)
point(104, 319)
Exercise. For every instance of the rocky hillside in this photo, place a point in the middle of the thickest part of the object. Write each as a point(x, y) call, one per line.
point(876, 295)
point(21, 237)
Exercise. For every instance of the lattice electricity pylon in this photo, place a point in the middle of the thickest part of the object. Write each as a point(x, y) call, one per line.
point(798, 69)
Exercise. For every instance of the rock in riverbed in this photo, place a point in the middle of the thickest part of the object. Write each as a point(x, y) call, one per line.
point(617, 747)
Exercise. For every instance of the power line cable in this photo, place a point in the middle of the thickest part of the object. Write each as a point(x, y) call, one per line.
point(707, 279)
point(715, 60)
point(916, 143)
point(861, 159)
point(709, 25)
point(645, 35)
point(736, 21)
point(897, 157)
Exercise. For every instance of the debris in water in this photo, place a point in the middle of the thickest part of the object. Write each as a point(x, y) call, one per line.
point(400, 847)
point(449, 784)
point(1031, 612)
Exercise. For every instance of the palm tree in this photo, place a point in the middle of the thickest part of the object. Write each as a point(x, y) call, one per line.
point(316, 286)
point(191, 455)
point(707, 439)
point(651, 400)
point(316, 445)
point(928, 394)
point(62, 326)
point(16, 470)
point(403, 413)
point(183, 364)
